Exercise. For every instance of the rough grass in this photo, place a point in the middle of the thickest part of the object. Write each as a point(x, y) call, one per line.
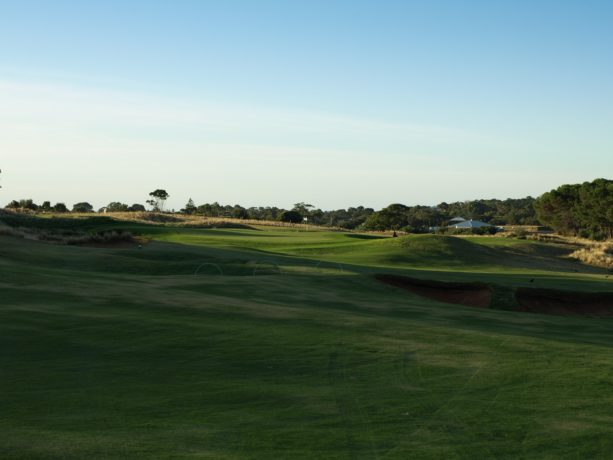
point(195, 221)
point(598, 254)
point(83, 220)
point(68, 237)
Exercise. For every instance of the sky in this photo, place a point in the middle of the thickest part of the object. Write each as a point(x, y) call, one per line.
point(334, 103)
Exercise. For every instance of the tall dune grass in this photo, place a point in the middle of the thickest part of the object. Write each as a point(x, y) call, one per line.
point(68, 237)
point(191, 220)
point(598, 254)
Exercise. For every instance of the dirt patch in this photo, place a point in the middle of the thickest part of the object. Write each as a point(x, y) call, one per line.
point(567, 303)
point(469, 294)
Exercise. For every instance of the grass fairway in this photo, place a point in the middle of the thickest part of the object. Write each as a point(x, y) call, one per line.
point(278, 343)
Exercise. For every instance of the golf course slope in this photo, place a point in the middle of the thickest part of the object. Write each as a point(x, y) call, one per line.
point(269, 343)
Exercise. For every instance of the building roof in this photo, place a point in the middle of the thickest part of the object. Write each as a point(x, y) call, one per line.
point(457, 219)
point(470, 224)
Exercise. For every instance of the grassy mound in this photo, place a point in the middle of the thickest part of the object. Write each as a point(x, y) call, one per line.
point(442, 250)
point(454, 253)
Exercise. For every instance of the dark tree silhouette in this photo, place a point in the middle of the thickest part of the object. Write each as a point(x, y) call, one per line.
point(158, 198)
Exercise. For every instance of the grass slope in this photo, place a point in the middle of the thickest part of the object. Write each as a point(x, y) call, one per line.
point(127, 353)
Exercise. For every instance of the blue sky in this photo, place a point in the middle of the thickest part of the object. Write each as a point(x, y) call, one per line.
point(337, 103)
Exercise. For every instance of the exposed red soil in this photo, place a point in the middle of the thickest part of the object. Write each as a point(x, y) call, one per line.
point(567, 303)
point(531, 300)
point(469, 294)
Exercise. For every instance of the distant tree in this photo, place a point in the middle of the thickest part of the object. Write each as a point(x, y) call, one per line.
point(595, 208)
point(158, 198)
point(291, 216)
point(557, 209)
point(136, 208)
point(28, 204)
point(190, 207)
point(264, 213)
point(303, 208)
point(443, 207)
point(393, 217)
point(13, 205)
point(579, 209)
point(346, 218)
point(82, 207)
point(238, 212)
point(60, 207)
point(46, 207)
point(421, 218)
point(116, 206)
point(317, 216)
point(214, 210)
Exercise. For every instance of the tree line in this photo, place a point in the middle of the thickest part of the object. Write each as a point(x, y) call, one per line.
point(157, 200)
point(81, 207)
point(350, 218)
point(574, 209)
point(579, 209)
point(419, 219)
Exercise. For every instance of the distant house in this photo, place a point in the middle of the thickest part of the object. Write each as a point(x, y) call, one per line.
point(456, 220)
point(468, 224)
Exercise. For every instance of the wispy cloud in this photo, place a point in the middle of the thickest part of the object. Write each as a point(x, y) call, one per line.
point(57, 139)
point(56, 108)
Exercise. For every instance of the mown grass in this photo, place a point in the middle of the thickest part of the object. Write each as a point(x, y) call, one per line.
point(283, 345)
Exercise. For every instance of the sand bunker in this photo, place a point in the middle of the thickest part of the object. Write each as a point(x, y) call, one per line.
point(553, 302)
point(469, 294)
point(531, 300)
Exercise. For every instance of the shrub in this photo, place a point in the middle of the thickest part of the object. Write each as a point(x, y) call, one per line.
point(598, 254)
point(137, 208)
point(60, 207)
point(291, 216)
point(82, 207)
point(116, 206)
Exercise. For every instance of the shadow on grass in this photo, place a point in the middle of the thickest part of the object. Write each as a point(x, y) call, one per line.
point(362, 236)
